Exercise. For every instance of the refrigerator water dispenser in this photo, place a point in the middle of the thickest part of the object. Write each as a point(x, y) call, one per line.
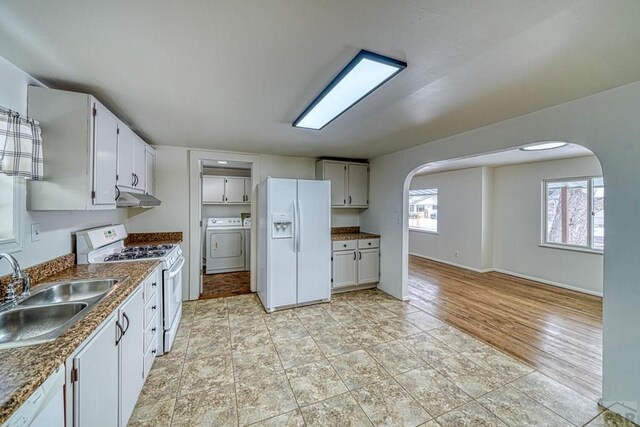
point(281, 225)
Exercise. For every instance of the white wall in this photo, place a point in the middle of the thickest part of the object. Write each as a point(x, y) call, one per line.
point(518, 221)
point(345, 217)
point(56, 228)
point(460, 208)
point(607, 124)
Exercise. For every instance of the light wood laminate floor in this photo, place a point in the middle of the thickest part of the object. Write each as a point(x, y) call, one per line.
point(556, 331)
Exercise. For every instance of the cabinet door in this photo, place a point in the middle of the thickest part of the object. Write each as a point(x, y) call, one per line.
point(212, 189)
point(139, 157)
point(131, 354)
point(358, 185)
point(247, 190)
point(95, 392)
point(126, 139)
point(150, 171)
point(105, 153)
point(234, 190)
point(344, 268)
point(368, 266)
point(336, 173)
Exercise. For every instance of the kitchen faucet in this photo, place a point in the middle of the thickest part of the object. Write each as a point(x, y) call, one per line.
point(17, 276)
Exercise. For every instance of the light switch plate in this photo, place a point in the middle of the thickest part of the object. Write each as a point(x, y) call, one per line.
point(35, 232)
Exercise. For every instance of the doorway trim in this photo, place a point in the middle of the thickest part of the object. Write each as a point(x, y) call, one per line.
point(196, 159)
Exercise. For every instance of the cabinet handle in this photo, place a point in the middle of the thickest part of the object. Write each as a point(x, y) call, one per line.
point(354, 255)
point(153, 329)
point(154, 284)
point(153, 307)
point(154, 351)
point(223, 197)
point(133, 179)
point(344, 245)
point(124, 315)
point(119, 336)
point(349, 199)
point(359, 255)
point(117, 193)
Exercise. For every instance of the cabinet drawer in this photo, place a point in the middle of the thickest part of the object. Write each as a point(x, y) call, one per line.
point(368, 243)
point(150, 311)
point(150, 335)
point(150, 356)
point(344, 245)
point(151, 287)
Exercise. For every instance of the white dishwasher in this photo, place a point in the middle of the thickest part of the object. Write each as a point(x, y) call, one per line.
point(45, 406)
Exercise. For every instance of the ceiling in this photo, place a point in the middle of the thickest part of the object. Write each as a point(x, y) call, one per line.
point(505, 158)
point(234, 75)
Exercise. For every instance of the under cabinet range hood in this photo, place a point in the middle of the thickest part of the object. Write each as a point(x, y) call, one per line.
point(136, 200)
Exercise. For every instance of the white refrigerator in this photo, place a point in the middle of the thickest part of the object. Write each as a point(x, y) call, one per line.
point(294, 242)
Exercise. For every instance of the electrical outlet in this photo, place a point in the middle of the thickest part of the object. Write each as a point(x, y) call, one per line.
point(35, 232)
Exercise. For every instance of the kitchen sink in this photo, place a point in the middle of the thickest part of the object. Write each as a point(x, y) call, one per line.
point(49, 311)
point(69, 292)
point(31, 325)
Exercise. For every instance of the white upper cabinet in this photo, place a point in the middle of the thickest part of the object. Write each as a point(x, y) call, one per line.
point(126, 144)
point(349, 182)
point(80, 137)
point(225, 189)
point(139, 169)
point(150, 170)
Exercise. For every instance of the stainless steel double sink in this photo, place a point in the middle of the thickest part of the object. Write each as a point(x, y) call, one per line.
point(52, 309)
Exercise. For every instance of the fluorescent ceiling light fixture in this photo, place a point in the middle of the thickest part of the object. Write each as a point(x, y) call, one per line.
point(222, 162)
point(544, 146)
point(364, 74)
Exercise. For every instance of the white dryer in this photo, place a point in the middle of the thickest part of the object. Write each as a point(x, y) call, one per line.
point(224, 245)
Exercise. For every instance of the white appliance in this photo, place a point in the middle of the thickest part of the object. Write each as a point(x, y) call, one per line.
point(246, 224)
point(106, 245)
point(45, 406)
point(294, 242)
point(224, 245)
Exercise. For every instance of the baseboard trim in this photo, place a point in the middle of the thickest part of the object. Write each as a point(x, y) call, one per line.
point(513, 273)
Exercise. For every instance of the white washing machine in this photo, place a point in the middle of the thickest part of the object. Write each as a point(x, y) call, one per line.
point(247, 243)
point(225, 245)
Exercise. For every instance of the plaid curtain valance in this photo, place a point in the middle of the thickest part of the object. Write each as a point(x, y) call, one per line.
point(20, 146)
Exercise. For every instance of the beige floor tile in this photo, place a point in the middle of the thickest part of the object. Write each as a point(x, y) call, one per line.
point(200, 374)
point(212, 407)
point(287, 330)
point(279, 316)
point(314, 382)
point(423, 321)
point(290, 419)
point(427, 347)
point(263, 399)
point(376, 312)
point(161, 384)
point(340, 410)
point(610, 419)
point(560, 399)
point(206, 346)
point(516, 409)
point(318, 324)
point(398, 307)
point(394, 357)
point(154, 414)
point(256, 357)
point(295, 352)
point(471, 378)
point(310, 311)
point(504, 366)
point(457, 340)
point(432, 423)
point(254, 336)
point(386, 403)
point(471, 414)
point(398, 328)
point(357, 368)
point(336, 342)
point(368, 335)
point(432, 390)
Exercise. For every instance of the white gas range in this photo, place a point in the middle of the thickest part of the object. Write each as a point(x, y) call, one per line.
point(106, 245)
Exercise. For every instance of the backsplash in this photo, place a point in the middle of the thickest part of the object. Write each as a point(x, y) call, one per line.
point(40, 272)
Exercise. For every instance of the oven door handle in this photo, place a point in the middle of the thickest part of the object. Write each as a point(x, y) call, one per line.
point(175, 270)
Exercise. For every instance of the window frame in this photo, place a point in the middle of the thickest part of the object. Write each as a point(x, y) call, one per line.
point(568, 246)
point(14, 244)
point(422, 230)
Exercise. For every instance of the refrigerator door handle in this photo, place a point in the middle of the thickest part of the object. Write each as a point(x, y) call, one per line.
point(298, 220)
point(295, 225)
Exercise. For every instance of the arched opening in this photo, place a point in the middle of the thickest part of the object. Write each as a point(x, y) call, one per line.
point(507, 246)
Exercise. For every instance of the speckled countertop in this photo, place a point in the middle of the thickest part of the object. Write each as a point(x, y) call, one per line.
point(350, 233)
point(24, 369)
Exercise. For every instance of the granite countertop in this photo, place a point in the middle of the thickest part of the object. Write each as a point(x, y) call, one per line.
point(353, 236)
point(24, 369)
point(157, 238)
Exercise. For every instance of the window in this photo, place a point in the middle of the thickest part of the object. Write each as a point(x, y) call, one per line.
point(10, 225)
point(574, 213)
point(423, 210)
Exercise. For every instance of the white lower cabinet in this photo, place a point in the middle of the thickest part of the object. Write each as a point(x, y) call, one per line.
point(107, 373)
point(355, 263)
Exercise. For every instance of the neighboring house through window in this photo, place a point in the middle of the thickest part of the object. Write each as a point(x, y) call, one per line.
point(423, 210)
point(574, 213)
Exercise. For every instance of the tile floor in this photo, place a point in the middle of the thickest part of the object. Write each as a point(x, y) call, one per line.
point(364, 359)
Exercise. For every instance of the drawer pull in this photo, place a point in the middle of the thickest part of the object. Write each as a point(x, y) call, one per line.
point(344, 245)
point(153, 307)
point(154, 284)
point(153, 329)
point(154, 351)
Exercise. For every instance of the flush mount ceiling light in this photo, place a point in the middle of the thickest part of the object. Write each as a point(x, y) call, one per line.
point(539, 146)
point(364, 74)
point(222, 162)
